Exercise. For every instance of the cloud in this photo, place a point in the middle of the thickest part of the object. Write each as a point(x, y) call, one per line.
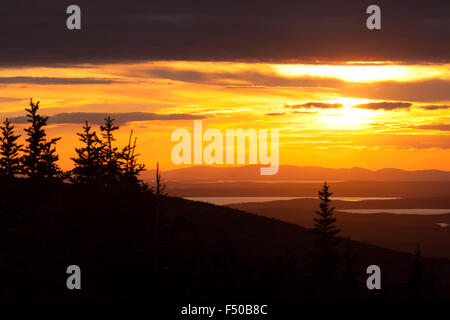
point(275, 114)
point(387, 106)
point(435, 107)
point(428, 90)
point(318, 105)
point(438, 127)
point(121, 118)
point(10, 99)
point(401, 141)
point(242, 79)
point(301, 31)
point(53, 81)
point(183, 75)
point(304, 112)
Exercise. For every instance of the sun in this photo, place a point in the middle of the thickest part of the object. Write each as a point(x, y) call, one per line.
point(346, 117)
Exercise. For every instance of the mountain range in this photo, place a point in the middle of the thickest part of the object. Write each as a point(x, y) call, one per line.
point(297, 173)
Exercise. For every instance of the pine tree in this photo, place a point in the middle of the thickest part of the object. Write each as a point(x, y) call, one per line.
point(325, 257)
point(111, 156)
point(39, 159)
point(130, 166)
point(160, 185)
point(48, 166)
point(107, 131)
point(100, 163)
point(9, 151)
point(88, 165)
point(325, 224)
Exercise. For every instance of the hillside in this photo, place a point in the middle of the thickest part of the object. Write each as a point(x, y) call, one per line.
point(393, 231)
point(201, 251)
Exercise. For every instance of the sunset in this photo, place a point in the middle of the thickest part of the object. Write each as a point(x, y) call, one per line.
point(369, 114)
point(216, 159)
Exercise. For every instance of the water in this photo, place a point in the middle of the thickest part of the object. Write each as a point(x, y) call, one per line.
point(221, 201)
point(398, 211)
point(229, 200)
point(442, 224)
point(257, 181)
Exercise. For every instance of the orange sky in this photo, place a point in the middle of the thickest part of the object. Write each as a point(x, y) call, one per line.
point(372, 116)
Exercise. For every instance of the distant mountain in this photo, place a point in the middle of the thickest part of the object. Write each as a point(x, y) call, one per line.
point(295, 173)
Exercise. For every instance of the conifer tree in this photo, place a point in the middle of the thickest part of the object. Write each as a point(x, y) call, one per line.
point(9, 151)
point(325, 257)
point(88, 165)
point(325, 224)
point(130, 166)
point(39, 161)
point(160, 185)
point(107, 131)
point(111, 157)
point(48, 166)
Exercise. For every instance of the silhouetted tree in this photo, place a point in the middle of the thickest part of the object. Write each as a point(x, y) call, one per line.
point(9, 151)
point(157, 217)
point(325, 258)
point(100, 163)
point(325, 224)
point(160, 185)
point(39, 161)
point(50, 168)
point(111, 156)
point(88, 167)
point(130, 166)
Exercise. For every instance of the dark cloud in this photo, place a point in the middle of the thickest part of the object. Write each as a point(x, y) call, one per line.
point(275, 114)
point(242, 79)
point(184, 75)
point(319, 105)
point(52, 80)
point(387, 106)
point(439, 127)
point(121, 118)
point(435, 107)
point(34, 32)
point(305, 112)
point(428, 90)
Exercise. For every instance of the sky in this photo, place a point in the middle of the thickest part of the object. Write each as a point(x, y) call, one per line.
point(340, 95)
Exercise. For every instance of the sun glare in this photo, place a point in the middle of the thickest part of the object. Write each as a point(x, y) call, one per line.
point(345, 118)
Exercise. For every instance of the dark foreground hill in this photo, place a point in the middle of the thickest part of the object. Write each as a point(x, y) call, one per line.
point(394, 231)
point(132, 245)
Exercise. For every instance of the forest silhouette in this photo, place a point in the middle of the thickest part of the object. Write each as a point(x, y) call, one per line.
point(134, 241)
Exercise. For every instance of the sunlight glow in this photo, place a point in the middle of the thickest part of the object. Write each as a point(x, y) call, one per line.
point(357, 73)
point(252, 95)
point(345, 118)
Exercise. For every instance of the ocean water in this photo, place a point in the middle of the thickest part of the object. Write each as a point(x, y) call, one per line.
point(442, 224)
point(229, 200)
point(223, 201)
point(398, 211)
